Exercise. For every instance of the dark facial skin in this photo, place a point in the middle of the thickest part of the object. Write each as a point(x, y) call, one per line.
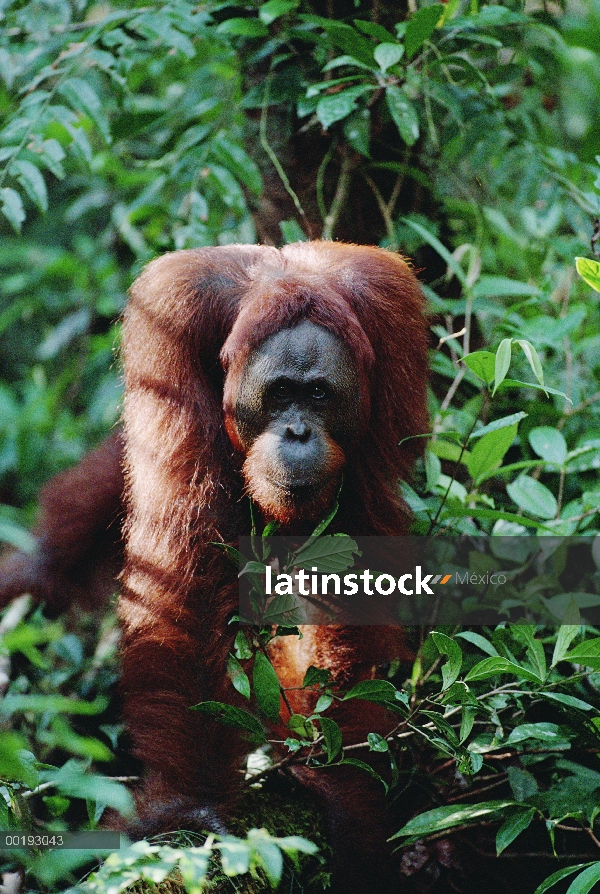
point(297, 411)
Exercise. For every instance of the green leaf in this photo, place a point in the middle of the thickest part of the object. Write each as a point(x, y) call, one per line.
point(253, 567)
point(233, 717)
point(586, 880)
point(533, 497)
point(542, 731)
point(338, 62)
point(442, 818)
point(266, 686)
point(323, 702)
point(433, 470)
point(52, 154)
point(535, 650)
point(330, 553)
point(494, 16)
point(482, 363)
point(291, 231)
point(374, 30)
point(467, 722)
point(269, 854)
point(357, 130)
point(242, 648)
point(12, 207)
point(235, 856)
point(515, 383)
point(16, 536)
point(157, 24)
point(497, 423)
point(502, 287)
point(236, 160)
point(274, 9)
point(324, 523)
point(587, 653)
point(493, 667)
point(316, 676)
point(558, 604)
point(362, 765)
point(377, 743)
point(489, 452)
point(373, 690)
point(74, 780)
point(476, 761)
point(512, 826)
point(57, 805)
point(239, 27)
point(559, 876)
point(303, 727)
point(448, 450)
point(549, 444)
point(440, 248)
point(451, 669)
point(522, 783)
point(232, 553)
point(83, 99)
point(442, 726)
point(568, 630)
point(533, 358)
point(568, 700)
point(16, 764)
point(421, 26)
point(478, 640)
point(456, 511)
point(388, 54)
point(589, 271)
point(585, 457)
point(347, 39)
point(238, 676)
point(292, 843)
point(64, 736)
point(335, 106)
point(32, 181)
point(403, 114)
point(51, 704)
point(332, 735)
point(502, 363)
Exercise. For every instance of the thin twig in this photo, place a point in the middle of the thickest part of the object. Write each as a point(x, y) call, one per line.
point(570, 411)
point(453, 389)
point(269, 771)
point(590, 832)
point(561, 484)
point(568, 368)
point(341, 193)
point(264, 142)
point(451, 335)
point(320, 180)
point(475, 792)
point(397, 188)
point(384, 209)
point(435, 519)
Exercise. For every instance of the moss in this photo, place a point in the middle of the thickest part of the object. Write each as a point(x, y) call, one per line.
point(283, 808)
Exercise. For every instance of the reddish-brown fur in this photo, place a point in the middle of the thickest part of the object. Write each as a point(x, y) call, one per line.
point(191, 323)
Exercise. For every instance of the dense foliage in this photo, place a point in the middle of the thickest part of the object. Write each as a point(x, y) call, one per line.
point(460, 133)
